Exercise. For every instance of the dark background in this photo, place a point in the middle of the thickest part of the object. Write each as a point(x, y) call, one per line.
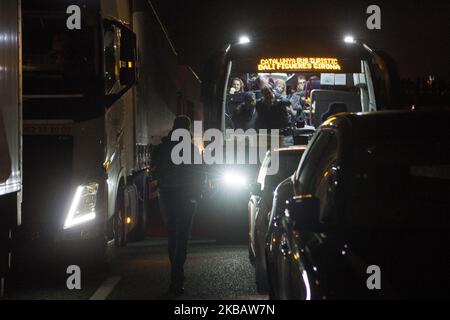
point(416, 33)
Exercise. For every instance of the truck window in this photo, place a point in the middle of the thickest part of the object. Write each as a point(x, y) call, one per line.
point(119, 60)
point(56, 61)
point(111, 57)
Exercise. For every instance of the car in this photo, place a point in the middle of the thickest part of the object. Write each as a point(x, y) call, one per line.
point(365, 216)
point(260, 204)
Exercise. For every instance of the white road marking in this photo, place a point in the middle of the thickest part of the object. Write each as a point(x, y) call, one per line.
point(105, 289)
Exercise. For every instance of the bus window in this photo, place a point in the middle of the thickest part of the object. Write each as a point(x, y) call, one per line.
point(308, 95)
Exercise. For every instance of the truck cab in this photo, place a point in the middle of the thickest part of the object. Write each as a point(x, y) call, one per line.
point(96, 100)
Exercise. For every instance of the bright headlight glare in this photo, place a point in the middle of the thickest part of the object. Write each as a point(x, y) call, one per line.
point(83, 205)
point(349, 39)
point(234, 179)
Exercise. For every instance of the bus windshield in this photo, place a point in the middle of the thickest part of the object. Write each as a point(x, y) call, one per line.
point(56, 60)
point(290, 93)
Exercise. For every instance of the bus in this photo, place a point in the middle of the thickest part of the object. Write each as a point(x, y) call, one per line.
point(362, 78)
point(317, 75)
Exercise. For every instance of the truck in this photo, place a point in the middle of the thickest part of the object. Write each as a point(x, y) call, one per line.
point(102, 85)
point(10, 133)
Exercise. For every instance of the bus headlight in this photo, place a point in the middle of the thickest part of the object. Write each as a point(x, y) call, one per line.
point(83, 204)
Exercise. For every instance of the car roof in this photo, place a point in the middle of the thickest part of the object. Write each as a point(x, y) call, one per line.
point(394, 123)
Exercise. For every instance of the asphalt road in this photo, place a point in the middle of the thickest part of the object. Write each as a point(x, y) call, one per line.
point(141, 271)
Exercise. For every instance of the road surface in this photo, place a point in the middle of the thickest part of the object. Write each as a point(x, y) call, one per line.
point(141, 271)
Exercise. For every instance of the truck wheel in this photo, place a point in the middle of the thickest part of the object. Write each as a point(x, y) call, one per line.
point(141, 227)
point(119, 220)
point(143, 211)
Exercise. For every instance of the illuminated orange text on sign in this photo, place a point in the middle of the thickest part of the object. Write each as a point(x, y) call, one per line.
point(292, 64)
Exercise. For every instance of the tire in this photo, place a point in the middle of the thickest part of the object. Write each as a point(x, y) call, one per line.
point(262, 283)
point(120, 239)
point(272, 294)
point(141, 229)
point(138, 232)
point(261, 278)
point(251, 256)
point(270, 285)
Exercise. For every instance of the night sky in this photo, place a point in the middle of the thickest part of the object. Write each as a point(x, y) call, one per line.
point(415, 33)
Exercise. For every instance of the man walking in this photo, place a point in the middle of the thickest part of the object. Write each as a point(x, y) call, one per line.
point(180, 189)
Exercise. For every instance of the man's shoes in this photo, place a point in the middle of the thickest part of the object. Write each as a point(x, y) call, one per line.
point(176, 289)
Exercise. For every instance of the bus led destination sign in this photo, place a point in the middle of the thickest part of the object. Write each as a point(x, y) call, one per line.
point(299, 64)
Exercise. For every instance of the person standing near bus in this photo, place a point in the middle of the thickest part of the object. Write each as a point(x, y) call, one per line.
point(180, 189)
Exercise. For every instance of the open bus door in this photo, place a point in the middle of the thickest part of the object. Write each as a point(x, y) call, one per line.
point(386, 81)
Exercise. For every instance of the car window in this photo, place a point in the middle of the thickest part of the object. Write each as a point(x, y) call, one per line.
point(317, 174)
point(314, 165)
point(287, 163)
point(401, 184)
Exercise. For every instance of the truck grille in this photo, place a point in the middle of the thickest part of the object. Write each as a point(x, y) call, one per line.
point(47, 168)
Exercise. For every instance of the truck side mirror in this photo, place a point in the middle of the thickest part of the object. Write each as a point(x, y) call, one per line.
point(127, 57)
point(127, 76)
point(304, 211)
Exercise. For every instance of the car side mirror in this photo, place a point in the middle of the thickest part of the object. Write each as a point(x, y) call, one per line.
point(304, 212)
point(255, 189)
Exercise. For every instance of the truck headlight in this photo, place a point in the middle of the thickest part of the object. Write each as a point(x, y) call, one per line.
point(83, 204)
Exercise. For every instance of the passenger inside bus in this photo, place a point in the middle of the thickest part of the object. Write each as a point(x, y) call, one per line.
point(298, 99)
point(237, 86)
point(244, 116)
point(288, 101)
point(272, 110)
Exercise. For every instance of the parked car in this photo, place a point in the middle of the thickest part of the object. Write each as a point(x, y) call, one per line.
point(366, 215)
point(260, 205)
